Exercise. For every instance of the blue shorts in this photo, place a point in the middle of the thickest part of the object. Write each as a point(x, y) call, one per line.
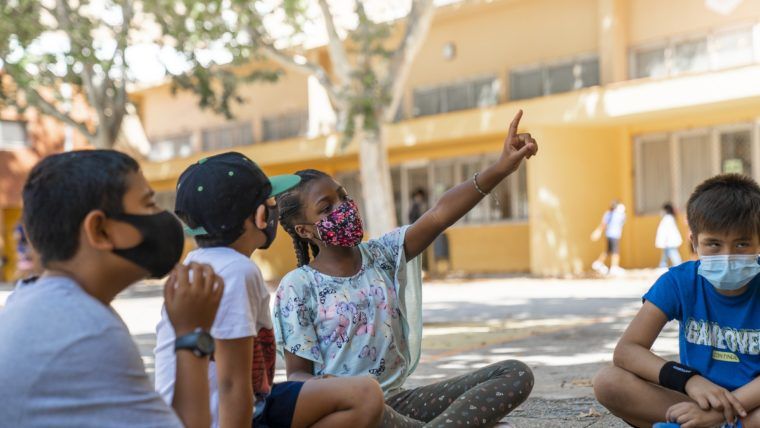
point(279, 407)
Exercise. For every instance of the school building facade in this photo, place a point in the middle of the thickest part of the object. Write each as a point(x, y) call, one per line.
point(636, 100)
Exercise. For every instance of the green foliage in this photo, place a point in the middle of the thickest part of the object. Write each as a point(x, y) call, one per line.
point(215, 40)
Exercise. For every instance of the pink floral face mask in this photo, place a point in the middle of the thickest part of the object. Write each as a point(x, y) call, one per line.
point(342, 227)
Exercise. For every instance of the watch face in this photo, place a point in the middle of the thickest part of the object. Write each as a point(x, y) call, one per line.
point(205, 343)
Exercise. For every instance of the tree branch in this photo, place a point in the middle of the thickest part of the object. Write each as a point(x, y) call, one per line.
point(335, 46)
point(417, 26)
point(306, 67)
point(64, 23)
point(34, 98)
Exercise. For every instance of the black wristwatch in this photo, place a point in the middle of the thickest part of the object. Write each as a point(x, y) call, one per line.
point(199, 342)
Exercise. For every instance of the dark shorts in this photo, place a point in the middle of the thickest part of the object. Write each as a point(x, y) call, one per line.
point(279, 407)
point(613, 246)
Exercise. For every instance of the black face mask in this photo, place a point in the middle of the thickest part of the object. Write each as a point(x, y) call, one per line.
point(162, 243)
point(273, 213)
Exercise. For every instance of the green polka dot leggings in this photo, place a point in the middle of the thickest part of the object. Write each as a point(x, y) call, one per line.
point(480, 399)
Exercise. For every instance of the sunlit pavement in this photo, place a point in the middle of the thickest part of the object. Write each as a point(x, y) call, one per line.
point(565, 330)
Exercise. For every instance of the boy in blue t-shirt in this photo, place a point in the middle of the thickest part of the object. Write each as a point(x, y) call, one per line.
point(717, 303)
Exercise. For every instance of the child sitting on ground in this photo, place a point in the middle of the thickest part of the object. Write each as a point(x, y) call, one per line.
point(355, 308)
point(67, 357)
point(717, 303)
point(228, 204)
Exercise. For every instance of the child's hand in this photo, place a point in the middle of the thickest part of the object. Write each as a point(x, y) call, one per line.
point(711, 396)
point(596, 235)
point(192, 295)
point(689, 415)
point(516, 147)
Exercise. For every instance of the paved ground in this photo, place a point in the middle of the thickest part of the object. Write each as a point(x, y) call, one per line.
point(564, 329)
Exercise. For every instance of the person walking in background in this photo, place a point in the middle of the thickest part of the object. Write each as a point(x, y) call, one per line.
point(419, 206)
point(612, 226)
point(668, 237)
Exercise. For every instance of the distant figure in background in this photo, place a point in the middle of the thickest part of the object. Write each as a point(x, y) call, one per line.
point(24, 258)
point(612, 226)
point(668, 237)
point(419, 205)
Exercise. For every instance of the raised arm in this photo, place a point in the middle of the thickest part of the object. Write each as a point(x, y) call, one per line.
point(458, 201)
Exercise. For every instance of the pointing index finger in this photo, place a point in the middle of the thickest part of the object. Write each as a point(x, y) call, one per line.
point(515, 123)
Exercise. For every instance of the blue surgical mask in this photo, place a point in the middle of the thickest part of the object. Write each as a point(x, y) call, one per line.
point(729, 271)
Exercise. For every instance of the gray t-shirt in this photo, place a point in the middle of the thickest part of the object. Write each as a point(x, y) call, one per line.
point(66, 359)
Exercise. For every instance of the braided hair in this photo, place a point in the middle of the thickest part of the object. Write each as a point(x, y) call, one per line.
point(290, 205)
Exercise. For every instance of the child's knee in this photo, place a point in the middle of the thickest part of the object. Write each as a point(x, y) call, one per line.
point(516, 368)
point(369, 400)
point(610, 384)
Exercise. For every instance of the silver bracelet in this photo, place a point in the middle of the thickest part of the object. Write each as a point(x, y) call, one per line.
point(477, 187)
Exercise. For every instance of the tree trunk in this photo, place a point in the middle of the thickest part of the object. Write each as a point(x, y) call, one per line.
point(102, 140)
point(376, 182)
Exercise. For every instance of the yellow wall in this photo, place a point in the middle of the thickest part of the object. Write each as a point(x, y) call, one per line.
point(490, 39)
point(279, 259)
point(653, 20)
point(570, 184)
point(641, 233)
point(164, 114)
point(493, 248)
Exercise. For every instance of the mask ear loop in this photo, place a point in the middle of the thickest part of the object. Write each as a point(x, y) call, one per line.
point(319, 234)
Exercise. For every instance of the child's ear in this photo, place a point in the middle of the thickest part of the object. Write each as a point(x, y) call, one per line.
point(260, 217)
point(693, 241)
point(303, 232)
point(95, 231)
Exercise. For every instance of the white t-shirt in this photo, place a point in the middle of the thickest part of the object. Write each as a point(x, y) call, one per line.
point(243, 311)
point(668, 235)
point(614, 221)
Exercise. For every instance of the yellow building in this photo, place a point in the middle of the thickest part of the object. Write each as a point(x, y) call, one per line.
point(631, 99)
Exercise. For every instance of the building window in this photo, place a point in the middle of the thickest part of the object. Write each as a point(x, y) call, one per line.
point(170, 147)
point(438, 176)
point(554, 78)
point(653, 173)
point(285, 126)
point(227, 136)
point(734, 47)
point(526, 84)
point(690, 56)
point(669, 166)
point(474, 93)
point(13, 135)
point(736, 151)
point(695, 162)
point(715, 51)
point(650, 62)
